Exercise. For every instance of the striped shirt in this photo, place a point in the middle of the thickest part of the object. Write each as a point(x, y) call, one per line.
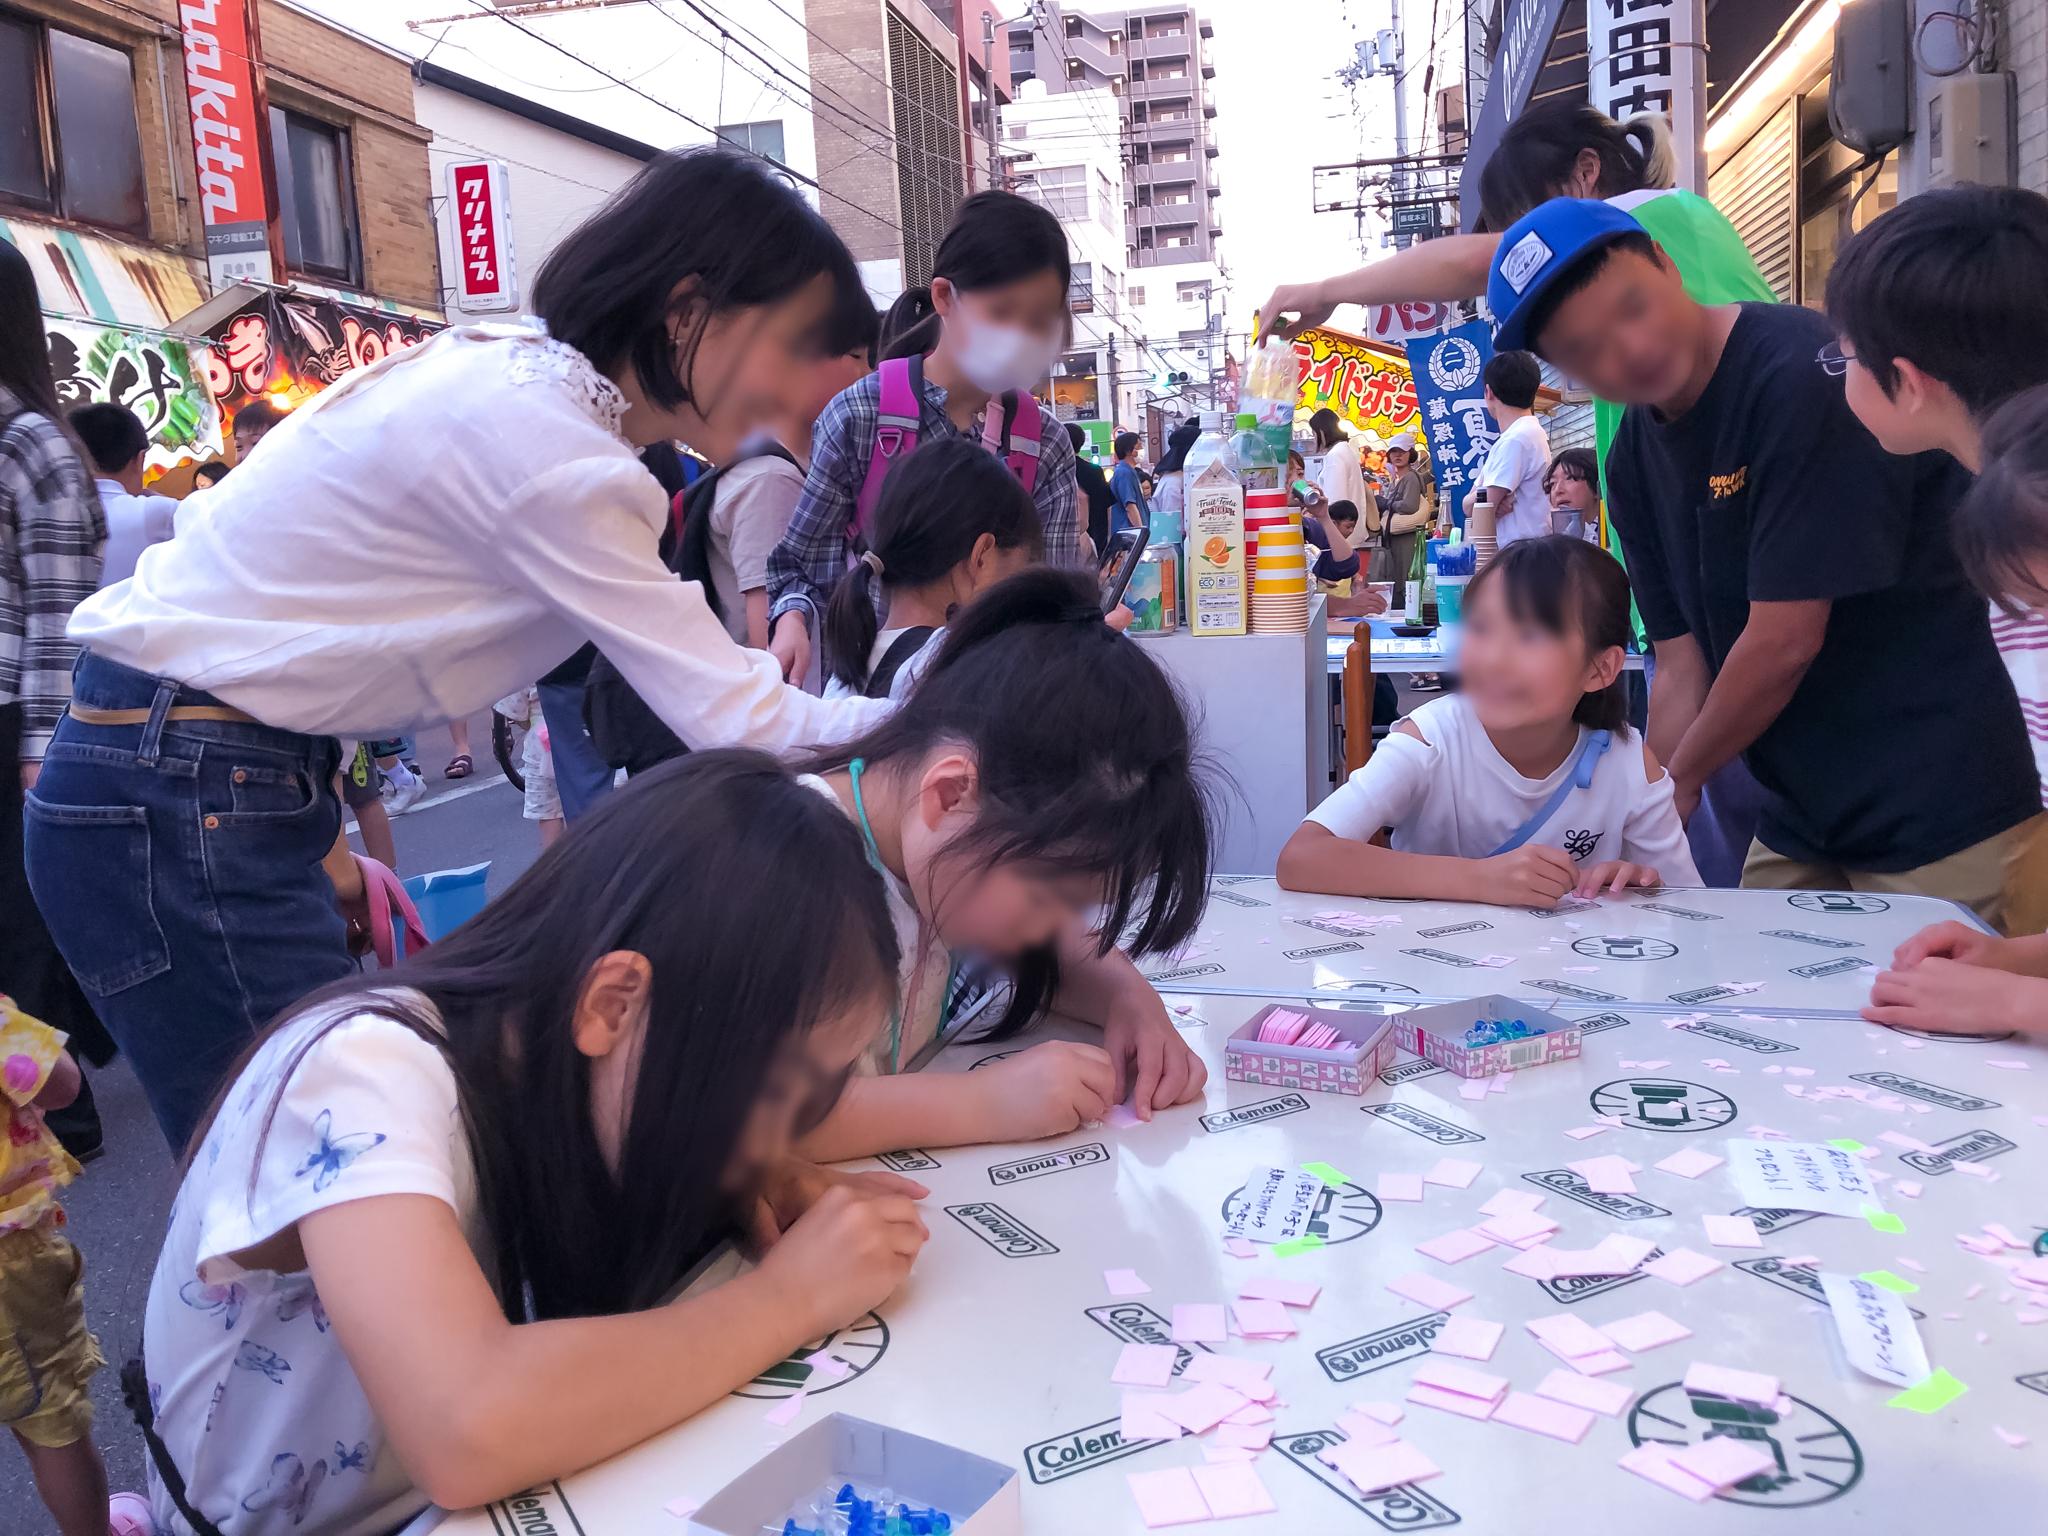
point(811, 558)
point(51, 535)
point(2023, 645)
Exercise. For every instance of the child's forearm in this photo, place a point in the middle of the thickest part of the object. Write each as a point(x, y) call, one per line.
point(887, 1114)
point(1092, 987)
point(2026, 955)
point(1316, 859)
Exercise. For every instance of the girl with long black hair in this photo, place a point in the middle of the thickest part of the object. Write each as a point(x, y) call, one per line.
point(989, 326)
point(426, 1229)
point(463, 516)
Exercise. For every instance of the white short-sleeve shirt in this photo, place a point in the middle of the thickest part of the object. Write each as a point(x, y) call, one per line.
point(1517, 462)
point(1452, 794)
point(254, 1399)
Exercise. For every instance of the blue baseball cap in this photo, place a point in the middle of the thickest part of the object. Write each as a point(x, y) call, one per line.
point(1536, 250)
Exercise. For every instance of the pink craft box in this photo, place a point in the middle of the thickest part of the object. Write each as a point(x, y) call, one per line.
point(1437, 1034)
point(1367, 1049)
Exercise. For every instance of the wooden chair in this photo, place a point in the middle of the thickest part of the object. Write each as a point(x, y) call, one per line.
point(1358, 699)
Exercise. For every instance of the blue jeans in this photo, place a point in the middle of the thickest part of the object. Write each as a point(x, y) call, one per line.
point(582, 776)
point(177, 863)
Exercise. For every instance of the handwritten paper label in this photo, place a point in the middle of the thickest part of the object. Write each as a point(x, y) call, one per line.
point(1801, 1176)
point(1276, 1205)
point(1876, 1328)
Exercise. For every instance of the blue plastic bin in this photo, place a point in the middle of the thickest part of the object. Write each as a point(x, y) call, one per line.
point(448, 898)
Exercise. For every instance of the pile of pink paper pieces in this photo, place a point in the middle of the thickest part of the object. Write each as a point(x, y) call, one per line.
point(1336, 919)
point(1285, 1027)
point(1515, 1220)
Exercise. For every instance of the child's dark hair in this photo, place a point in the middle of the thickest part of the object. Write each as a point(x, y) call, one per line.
point(256, 413)
point(752, 898)
point(2002, 525)
point(1514, 378)
point(996, 238)
point(1328, 427)
point(609, 289)
point(1950, 280)
point(212, 472)
point(1539, 151)
point(1581, 464)
point(1086, 759)
point(112, 434)
point(933, 510)
point(1570, 587)
point(1343, 511)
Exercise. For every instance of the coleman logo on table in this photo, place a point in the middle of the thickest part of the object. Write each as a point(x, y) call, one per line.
point(1730, 1036)
point(1933, 1093)
point(1829, 967)
point(1318, 950)
point(1581, 994)
point(1599, 1023)
point(1254, 1114)
point(1810, 938)
point(1000, 1230)
point(1685, 912)
point(1236, 900)
point(1441, 956)
point(1377, 1351)
point(1799, 1279)
point(1093, 1446)
point(908, 1161)
point(1571, 1289)
point(1427, 1126)
point(1475, 926)
point(1165, 977)
point(1970, 1147)
point(1050, 1162)
point(1562, 1181)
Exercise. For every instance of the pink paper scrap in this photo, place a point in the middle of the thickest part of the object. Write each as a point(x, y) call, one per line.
point(683, 1508)
point(1247, 1437)
point(2008, 1066)
point(1516, 1227)
point(1121, 1117)
point(1461, 1379)
point(1125, 1282)
point(1453, 1173)
point(1451, 1402)
point(1232, 1490)
point(1232, 1370)
point(1428, 1291)
point(1469, 1338)
point(1646, 1330)
point(1363, 1430)
point(1455, 1247)
point(828, 1365)
point(1571, 1337)
point(1731, 1232)
point(1605, 1175)
point(1386, 1413)
point(1538, 1263)
point(1204, 1407)
point(1169, 1496)
point(1506, 1200)
point(1682, 1266)
point(1726, 1381)
point(1400, 1186)
point(1261, 1319)
point(1691, 1163)
point(1722, 1460)
point(1293, 1293)
point(1145, 1365)
point(1145, 1417)
point(1199, 1323)
point(1542, 1416)
point(1239, 1248)
point(1500, 1082)
point(2017, 1442)
point(1581, 1132)
point(1472, 1088)
point(1652, 1460)
point(786, 1410)
point(1608, 1397)
point(1372, 1468)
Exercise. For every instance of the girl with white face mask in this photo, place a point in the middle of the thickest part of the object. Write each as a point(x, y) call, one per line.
point(994, 319)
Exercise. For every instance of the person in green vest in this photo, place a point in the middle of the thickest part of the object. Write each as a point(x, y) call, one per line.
point(1557, 148)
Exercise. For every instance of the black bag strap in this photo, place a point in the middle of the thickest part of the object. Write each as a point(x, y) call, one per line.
point(135, 1393)
point(901, 649)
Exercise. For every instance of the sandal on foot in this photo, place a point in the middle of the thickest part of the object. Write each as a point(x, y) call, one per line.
point(459, 767)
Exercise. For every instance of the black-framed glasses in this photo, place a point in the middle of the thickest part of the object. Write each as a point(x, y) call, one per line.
point(1834, 361)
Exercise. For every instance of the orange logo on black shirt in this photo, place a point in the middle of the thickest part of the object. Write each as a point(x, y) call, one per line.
point(1722, 486)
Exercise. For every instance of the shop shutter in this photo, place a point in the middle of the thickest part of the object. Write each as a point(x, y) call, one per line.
point(1754, 187)
point(929, 174)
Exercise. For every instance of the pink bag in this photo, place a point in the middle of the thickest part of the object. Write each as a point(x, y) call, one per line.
point(387, 897)
point(1009, 429)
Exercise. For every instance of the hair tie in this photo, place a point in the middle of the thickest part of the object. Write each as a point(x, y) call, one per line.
point(872, 561)
point(1080, 613)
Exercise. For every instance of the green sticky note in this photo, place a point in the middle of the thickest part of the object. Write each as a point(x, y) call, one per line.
point(1933, 1394)
point(1883, 1221)
point(1889, 1281)
point(1846, 1144)
point(1292, 1246)
point(1327, 1174)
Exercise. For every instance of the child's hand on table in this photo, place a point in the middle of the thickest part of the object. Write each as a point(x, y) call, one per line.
point(1616, 876)
point(1154, 1067)
point(792, 1186)
point(1954, 941)
point(843, 1256)
point(1531, 876)
point(1957, 997)
point(1048, 1090)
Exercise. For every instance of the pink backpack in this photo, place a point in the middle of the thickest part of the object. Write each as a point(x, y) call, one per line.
point(1010, 429)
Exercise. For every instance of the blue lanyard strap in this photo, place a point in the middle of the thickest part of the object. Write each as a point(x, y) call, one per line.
point(1580, 776)
point(854, 770)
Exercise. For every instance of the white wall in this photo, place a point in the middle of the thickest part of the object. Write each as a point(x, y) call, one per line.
point(557, 180)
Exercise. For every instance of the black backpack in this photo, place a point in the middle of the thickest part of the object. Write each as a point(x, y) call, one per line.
point(626, 732)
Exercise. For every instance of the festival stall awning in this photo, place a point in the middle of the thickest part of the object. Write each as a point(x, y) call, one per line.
point(1366, 382)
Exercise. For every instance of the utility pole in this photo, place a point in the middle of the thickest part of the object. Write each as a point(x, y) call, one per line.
point(1110, 412)
point(988, 94)
point(1209, 343)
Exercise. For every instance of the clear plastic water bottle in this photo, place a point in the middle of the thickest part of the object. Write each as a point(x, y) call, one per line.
point(1257, 469)
point(1213, 444)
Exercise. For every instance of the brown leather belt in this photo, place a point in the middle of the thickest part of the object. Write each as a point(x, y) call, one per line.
point(86, 716)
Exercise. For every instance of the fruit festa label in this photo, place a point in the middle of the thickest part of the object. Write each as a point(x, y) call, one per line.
point(1216, 584)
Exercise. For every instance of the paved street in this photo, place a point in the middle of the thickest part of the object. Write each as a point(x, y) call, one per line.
point(119, 1207)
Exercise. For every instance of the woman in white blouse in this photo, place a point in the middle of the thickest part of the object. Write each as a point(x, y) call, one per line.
point(428, 535)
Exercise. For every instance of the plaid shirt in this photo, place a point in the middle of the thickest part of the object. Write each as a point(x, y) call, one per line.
point(807, 564)
point(51, 535)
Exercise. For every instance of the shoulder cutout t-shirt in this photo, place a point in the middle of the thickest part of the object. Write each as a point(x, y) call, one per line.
point(1453, 795)
point(1903, 743)
point(260, 1409)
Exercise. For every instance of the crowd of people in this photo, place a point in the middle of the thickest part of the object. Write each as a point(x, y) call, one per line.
point(890, 775)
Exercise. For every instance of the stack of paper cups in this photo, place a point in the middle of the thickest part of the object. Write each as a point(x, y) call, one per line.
point(1280, 586)
point(1263, 510)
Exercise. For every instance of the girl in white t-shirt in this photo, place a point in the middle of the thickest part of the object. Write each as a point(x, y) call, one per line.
point(1530, 783)
point(424, 1235)
point(952, 520)
point(1032, 801)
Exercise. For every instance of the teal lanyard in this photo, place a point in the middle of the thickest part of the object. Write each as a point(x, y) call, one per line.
point(854, 770)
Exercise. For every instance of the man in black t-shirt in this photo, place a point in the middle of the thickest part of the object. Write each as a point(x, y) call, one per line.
point(1094, 485)
point(1796, 580)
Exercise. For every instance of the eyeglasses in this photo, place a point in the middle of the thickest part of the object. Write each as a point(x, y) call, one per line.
point(1834, 361)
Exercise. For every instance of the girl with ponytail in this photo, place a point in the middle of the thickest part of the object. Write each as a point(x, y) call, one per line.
point(951, 522)
point(987, 329)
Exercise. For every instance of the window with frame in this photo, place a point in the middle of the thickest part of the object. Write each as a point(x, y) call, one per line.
point(1171, 154)
point(68, 139)
point(1062, 190)
point(1175, 111)
point(316, 196)
point(1073, 26)
point(1169, 69)
point(1172, 193)
point(1081, 291)
point(1107, 210)
point(1191, 293)
point(1177, 234)
point(763, 139)
point(1137, 297)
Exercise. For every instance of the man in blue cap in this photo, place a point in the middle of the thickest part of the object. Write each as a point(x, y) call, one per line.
point(1796, 580)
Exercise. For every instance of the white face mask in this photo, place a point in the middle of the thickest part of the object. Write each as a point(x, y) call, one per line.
point(996, 358)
